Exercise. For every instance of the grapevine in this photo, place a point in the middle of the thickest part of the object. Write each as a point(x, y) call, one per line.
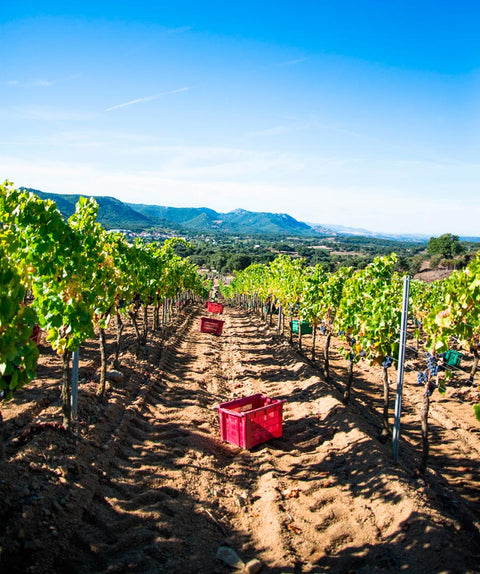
point(79, 276)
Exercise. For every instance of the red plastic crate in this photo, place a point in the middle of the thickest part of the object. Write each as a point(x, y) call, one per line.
point(214, 326)
point(213, 307)
point(252, 420)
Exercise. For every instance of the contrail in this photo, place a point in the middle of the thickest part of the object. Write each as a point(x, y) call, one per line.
point(146, 99)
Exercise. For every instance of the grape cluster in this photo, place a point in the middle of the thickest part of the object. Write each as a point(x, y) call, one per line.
point(432, 364)
point(322, 329)
point(423, 377)
point(387, 362)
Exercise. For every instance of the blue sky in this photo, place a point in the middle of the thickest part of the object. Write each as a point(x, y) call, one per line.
point(363, 114)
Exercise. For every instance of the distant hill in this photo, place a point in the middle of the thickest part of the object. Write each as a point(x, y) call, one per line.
point(112, 213)
point(237, 221)
point(469, 238)
point(342, 230)
point(115, 214)
point(416, 237)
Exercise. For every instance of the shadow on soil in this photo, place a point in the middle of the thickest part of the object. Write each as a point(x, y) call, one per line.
point(123, 512)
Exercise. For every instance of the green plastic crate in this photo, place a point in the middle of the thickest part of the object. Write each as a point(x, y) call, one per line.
point(453, 358)
point(306, 328)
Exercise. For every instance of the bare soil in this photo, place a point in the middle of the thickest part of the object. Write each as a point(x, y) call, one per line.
point(145, 484)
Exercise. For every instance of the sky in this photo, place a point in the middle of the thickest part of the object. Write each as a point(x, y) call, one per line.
point(363, 114)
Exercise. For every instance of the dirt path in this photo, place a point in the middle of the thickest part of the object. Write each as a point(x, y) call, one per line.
point(150, 487)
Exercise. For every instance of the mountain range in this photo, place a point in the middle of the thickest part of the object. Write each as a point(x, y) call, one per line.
point(200, 219)
point(138, 217)
point(115, 214)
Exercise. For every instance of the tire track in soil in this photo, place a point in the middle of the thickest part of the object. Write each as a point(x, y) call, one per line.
point(300, 515)
point(153, 497)
point(339, 521)
point(164, 492)
point(139, 520)
point(291, 502)
point(77, 513)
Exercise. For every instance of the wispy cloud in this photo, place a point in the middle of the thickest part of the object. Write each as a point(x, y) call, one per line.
point(292, 62)
point(48, 113)
point(283, 129)
point(146, 99)
point(39, 82)
point(31, 84)
point(275, 131)
point(225, 178)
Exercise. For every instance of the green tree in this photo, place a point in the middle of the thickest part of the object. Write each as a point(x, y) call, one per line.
point(238, 262)
point(415, 264)
point(447, 245)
